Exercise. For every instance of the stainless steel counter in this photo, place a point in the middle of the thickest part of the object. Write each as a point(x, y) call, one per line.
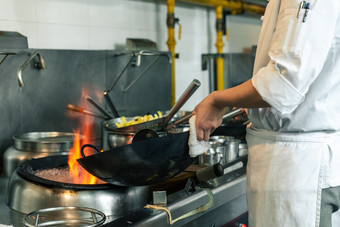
point(228, 195)
point(229, 203)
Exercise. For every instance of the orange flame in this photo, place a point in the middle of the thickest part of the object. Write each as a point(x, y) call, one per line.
point(78, 174)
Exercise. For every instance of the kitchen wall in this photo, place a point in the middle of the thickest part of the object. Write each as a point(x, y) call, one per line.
point(105, 25)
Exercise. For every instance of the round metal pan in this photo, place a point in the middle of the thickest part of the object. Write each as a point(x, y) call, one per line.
point(144, 162)
point(159, 123)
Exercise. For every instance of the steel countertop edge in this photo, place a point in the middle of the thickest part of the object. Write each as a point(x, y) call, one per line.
point(229, 196)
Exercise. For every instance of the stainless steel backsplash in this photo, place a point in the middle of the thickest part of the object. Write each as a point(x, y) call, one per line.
point(41, 104)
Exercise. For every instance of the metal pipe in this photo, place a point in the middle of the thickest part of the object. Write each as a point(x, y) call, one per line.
point(141, 74)
point(219, 45)
point(41, 65)
point(171, 42)
point(234, 6)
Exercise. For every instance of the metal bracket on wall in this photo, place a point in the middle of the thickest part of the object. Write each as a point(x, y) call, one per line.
point(5, 56)
point(40, 65)
point(137, 62)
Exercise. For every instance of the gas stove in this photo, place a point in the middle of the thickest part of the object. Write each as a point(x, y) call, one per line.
point(220, 201)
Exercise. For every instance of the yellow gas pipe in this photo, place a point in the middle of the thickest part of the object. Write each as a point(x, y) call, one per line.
point(219, 46)
point(234, 6)
point(171, 44)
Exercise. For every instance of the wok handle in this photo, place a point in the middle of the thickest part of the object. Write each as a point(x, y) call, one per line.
point(88, 145)
point(233, 113)
point(182, 100)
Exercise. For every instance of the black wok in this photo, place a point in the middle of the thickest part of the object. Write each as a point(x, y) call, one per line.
point(144, 162)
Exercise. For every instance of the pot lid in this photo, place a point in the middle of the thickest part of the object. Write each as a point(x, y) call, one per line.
point(44, 141)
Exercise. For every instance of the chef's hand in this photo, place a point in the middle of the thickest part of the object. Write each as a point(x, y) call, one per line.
point(241, 116)
point(208, 118)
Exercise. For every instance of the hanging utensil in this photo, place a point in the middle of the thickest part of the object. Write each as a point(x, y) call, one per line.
point(101, 109)
point(110, 104)
point(84, 111)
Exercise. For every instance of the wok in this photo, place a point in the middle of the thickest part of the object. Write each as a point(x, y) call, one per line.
point(143, 162)
point(156, 124)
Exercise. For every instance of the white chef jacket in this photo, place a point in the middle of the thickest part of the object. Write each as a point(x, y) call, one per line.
point(294, 146)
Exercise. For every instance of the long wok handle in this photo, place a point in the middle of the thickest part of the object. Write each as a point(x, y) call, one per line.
point(181, 101)
point(231, 114)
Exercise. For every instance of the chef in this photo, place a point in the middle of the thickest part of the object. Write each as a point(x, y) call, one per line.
point(293, 102)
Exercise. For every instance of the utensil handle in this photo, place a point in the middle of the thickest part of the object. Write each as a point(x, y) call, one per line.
point(226, 116)
point(110, 103)
point(243, 159)
point(88, 145)
point(233, 113)
point(98, 107)
point(182, 119)
point(181, 101)
point(208, 173)
point(82, 110)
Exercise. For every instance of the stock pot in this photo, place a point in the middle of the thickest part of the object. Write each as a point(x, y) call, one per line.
point(36, 145)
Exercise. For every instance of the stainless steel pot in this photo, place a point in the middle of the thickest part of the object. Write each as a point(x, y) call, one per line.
point(231, 149)
point(224, 149)
point(115, 139)
point(36, 145)
point(212, 156)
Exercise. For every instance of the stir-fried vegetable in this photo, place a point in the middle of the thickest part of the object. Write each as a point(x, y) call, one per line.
point(138, 119)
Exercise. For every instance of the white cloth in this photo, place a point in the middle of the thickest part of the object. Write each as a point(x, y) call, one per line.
point(196, 147)
point(295, 150)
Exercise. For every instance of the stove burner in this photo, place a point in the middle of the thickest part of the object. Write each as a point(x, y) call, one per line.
point(28, 192)
point(36, 170)
point(64, 175)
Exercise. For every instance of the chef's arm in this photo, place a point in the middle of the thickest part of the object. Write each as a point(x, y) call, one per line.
point(210, 110)
point(243, 95)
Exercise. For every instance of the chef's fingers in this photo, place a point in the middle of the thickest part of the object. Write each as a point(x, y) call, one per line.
point(199, 134)
point(244, 114)
point(206, 135)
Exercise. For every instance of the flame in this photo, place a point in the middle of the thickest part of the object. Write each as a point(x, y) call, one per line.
point(78, 174)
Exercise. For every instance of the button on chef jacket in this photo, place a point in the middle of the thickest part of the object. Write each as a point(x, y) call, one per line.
point(294, 146)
